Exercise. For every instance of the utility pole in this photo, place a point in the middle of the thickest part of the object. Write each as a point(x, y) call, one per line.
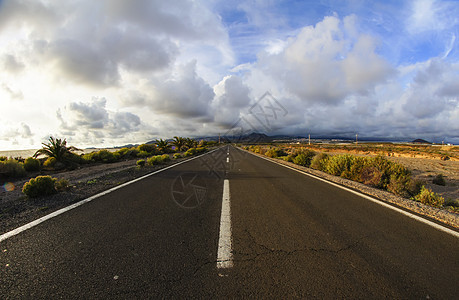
point(218, 138)
point(356, 138)
point(309, 140)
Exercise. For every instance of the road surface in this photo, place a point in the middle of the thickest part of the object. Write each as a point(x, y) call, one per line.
point(271, 232)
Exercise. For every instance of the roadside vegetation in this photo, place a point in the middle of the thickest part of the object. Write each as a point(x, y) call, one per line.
point(56, 155)
point(374, 171)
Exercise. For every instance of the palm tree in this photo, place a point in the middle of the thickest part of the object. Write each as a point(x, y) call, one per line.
point(56, 148)
point(179, 143)
point(163, 145)
point(190, 143)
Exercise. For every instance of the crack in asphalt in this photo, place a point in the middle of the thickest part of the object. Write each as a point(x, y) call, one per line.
point(252, 256)
point(268, 251)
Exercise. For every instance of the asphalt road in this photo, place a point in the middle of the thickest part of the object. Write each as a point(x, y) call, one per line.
point(291, 236)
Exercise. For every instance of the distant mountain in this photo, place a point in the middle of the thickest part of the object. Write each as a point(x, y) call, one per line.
point(421, 141)
point(124, 146)
point(253, 137)
point(256, 137)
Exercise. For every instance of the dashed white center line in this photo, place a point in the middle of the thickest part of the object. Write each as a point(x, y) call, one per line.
point(227, 159)
point(225, 252)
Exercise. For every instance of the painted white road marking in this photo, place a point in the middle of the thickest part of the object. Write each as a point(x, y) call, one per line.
point(380, 202)
point(65, 209)
point(225, 252)
point(227, 159)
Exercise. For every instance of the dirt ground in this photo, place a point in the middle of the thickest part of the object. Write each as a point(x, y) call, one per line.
point(426, 169)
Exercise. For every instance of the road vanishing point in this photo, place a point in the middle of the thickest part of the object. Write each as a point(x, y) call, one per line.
point(229, 224)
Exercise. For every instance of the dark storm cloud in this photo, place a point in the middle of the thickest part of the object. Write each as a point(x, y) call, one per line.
point(82, 63)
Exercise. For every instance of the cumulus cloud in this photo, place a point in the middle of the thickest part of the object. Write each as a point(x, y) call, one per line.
point(231, 99)
point(184, 95)
point(433, 90)
point(181, 93)
point(96, 43)
point(91, 122)
point(327, 62)
point(17, 134)
point(89, 115)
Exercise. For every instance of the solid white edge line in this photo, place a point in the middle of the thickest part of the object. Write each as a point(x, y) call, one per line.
point(380, 202)
point(72, 206)
point(225, 253)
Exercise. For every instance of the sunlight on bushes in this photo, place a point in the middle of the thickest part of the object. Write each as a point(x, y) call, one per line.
point(304, 158)
point(40, 186)
point(140, 163)
point(426, 196)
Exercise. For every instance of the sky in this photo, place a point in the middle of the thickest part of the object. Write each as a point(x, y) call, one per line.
point(112, 72)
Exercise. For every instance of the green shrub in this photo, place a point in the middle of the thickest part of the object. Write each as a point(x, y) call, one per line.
point(319, 161)
point(428, 197)
point(304, 158)
point(149, 148)
point(371, 176)
point(288, 158)
point(338, 164)
point(275, 152)
point(256, 149)
point(103, 155)
point(62, 185)
point(50, 162)
point(31, 164)
point(386, 168)
point(177, 155)
point(73, 159)
point(143, 154)
point(12, 168)
point(140, 162)
point(190, 152)
point(155, 160)
point(127, 152)
point(39, 186)
point(271, 153)
point(439, 180)
point(165, 157)
point(194, 151)
point(400, 185)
